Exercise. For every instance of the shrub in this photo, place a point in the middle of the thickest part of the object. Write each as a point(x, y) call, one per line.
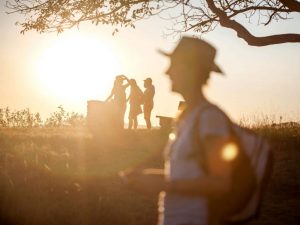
point(26, 119)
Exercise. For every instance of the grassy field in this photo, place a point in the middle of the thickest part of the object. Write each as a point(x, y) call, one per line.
point(67, 176)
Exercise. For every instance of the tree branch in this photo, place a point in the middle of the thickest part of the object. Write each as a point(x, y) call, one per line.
point(291, 4)
point(236, 12)
point(200, 16)
point(243, 33)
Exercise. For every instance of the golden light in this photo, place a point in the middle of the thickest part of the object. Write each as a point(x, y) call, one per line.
point(78, 68)
point(229, 152)
point(172, 136)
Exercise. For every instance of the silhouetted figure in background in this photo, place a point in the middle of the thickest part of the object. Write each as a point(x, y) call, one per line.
point(118, 94)
point(148, 101)
point(135, 100)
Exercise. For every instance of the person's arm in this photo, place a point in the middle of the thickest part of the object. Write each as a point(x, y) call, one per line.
point(216, 182)
point(128, 98)
point(141, 95)
point(214, 132)
point(149, 181)
point(125, 78)
point(145, 96)
point(152, 92)
point(111, 94)
point(218, 179)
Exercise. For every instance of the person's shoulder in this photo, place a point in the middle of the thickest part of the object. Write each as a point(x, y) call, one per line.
point(213, 121)
point(212, 112)
point(152, 88)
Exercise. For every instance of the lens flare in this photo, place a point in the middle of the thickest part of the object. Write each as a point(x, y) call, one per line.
point(229, 152)
point(172, 136)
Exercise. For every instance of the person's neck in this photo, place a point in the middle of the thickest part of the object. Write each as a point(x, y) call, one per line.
point(193, 98)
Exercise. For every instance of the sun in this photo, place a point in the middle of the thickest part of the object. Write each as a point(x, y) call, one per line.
point(78, 68)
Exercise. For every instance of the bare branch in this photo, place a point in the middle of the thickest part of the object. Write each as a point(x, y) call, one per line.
point(243, 33)
point(200, 16)
point(293, 5)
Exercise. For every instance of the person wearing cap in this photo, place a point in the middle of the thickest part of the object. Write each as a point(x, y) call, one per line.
point(148, 101)
point(185, 184)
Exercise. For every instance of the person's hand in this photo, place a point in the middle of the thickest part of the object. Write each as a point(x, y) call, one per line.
point(144, 181)
point(129, 174)
point(124, 77)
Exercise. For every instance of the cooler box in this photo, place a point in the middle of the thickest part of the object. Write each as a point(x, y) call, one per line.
point(101, 115)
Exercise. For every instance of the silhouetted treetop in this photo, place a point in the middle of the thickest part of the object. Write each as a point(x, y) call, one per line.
point(200, 16)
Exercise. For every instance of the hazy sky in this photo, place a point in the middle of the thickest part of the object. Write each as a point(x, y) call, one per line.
point(43, 71)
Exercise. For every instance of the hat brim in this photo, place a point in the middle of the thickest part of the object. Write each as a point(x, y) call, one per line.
point(164, 53)
point(214, 68)
point(217, 69)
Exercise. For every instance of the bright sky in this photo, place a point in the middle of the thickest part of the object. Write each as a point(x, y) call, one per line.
point(43, 71)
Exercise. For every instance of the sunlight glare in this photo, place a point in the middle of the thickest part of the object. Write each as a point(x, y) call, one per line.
point(229, 152)
point(172, 136)
point(78, 68)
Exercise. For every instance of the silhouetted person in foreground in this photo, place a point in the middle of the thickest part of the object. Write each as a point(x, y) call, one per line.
point(148, 101)
point(135, 100)
point(118, 96)
point(185, 184)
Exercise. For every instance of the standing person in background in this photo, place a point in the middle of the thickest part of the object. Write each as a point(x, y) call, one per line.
point(118, 96)
point(135, 100)
point(148, 101)
point(193, 171)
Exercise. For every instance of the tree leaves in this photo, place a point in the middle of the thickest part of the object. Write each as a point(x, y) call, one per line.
point(198, 16)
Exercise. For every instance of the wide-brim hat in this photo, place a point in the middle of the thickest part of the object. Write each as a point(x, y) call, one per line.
point(195, 50)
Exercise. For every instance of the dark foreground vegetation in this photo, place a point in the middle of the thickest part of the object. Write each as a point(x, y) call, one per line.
point(59, 176)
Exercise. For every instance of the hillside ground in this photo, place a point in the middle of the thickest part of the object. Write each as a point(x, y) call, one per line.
point(69, 176)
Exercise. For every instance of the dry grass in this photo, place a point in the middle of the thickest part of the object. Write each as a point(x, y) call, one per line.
point(67, 176)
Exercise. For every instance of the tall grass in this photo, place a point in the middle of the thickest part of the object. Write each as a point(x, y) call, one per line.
point(68, 176)
point(26, 119)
